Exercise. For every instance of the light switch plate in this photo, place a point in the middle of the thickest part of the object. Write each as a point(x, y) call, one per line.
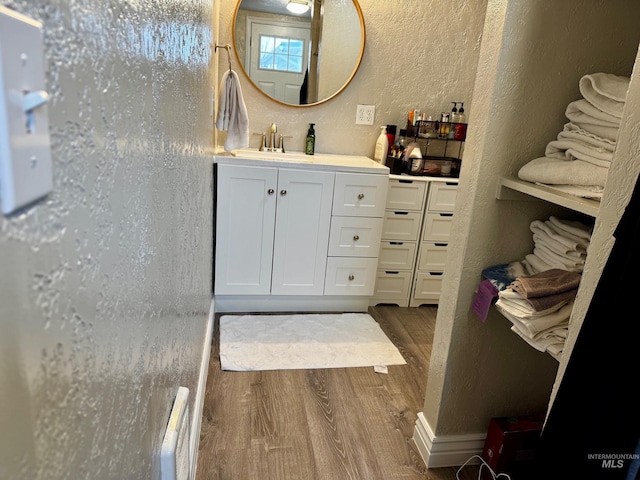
point(25, 157)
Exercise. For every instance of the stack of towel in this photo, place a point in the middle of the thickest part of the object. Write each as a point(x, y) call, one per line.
point(558, 244)
point(539, 307)
point(537, 293)
point(578, 161)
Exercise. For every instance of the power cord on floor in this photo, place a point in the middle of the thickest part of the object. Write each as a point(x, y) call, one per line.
point(494, 476)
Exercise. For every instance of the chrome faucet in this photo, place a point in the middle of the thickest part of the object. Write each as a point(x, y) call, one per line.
point(272, 138)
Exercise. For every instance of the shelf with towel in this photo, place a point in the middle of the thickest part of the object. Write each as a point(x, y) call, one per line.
point(516, 189)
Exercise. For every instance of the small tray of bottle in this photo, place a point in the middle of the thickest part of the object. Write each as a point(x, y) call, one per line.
point(441, 130)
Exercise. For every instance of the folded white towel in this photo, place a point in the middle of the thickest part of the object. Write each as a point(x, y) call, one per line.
point(534, 326)
point(581, 111)
point(573, 227)
point(576, 143)
point(563, 172)
point(610, 133)
point(520, 307)
point(537, 264)
point(232, 112)
point(557, 247)
point(559, 261)
point(568, 244)
point(605, 91)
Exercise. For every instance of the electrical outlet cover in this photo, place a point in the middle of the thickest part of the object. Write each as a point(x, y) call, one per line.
point(365, 114)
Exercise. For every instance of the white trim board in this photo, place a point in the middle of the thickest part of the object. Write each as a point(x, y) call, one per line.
point(446, 451)
point(196, 422)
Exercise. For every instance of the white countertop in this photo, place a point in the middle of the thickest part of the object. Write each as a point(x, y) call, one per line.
point(323, 161)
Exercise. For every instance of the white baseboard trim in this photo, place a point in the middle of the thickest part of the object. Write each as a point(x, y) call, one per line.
point(196, 422)
point(446, 451)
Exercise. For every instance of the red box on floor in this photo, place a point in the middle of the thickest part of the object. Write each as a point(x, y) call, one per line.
point(511, 442)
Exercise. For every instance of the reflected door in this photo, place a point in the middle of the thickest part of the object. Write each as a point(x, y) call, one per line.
point(278, 58)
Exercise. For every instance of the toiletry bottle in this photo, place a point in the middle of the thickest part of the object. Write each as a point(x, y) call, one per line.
point(454, 113)
point(461, 127)
point(382, 146)
point(391, 136)
point(310, 142)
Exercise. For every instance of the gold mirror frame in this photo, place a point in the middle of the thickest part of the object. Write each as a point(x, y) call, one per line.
point(319, 102)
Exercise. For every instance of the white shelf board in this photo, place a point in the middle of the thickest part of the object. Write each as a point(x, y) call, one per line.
point(507, 188)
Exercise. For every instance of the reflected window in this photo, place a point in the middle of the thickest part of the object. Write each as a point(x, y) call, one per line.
point(281, 54)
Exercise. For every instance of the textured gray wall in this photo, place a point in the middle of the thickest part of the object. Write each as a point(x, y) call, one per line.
point(105, 286)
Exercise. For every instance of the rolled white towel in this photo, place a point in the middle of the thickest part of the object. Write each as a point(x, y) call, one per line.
point(605, 91)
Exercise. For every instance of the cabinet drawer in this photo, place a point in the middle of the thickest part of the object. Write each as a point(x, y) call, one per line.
point(355, 237)
point(437, 227)
point(350, 276)
point(392, 284)
point(397, 255)
point(401, 225)
point(433, 256)
point(406, 195)
point(428, 285)
point(442, 196)
point(360, 195)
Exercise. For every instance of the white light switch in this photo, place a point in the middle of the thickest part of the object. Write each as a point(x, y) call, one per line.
point(25, 156)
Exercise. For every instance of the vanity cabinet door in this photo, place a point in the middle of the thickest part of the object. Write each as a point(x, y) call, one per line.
point(246, 207)
point(303, 220)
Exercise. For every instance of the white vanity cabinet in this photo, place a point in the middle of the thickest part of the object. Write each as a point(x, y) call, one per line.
point(297, 236)
point(272, 230)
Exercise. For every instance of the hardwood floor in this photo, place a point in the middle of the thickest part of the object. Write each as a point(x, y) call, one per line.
point(323, 424)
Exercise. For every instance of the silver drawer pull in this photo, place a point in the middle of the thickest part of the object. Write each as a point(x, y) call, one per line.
point(356, 237)
point(360, 196)
point(283, 192)
point(351, 277)
point(270, 191)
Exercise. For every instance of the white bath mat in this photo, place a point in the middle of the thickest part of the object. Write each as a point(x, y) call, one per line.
point(304, 341)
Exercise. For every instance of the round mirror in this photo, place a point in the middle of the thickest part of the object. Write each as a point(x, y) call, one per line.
point(299, 52)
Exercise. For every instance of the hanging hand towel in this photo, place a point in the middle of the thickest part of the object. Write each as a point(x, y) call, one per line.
point(232, 112)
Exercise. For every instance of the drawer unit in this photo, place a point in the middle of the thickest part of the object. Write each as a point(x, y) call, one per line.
point(355, 236)
point(437, 227)
point(433, 257)
point(406, 195)
point(442, 197)
point(350, 276)
point(360, 195)
point(392, 285)
point(357, 217)
point(427, 287)
point(397, 255)
point(434, 243)
point(401, 226)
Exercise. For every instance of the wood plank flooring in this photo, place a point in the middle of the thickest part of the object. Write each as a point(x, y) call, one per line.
point(323, 424)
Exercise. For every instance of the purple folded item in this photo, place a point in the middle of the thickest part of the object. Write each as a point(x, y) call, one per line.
point(485, 295)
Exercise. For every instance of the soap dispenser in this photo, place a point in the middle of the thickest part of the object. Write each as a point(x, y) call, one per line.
point(310, 142)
